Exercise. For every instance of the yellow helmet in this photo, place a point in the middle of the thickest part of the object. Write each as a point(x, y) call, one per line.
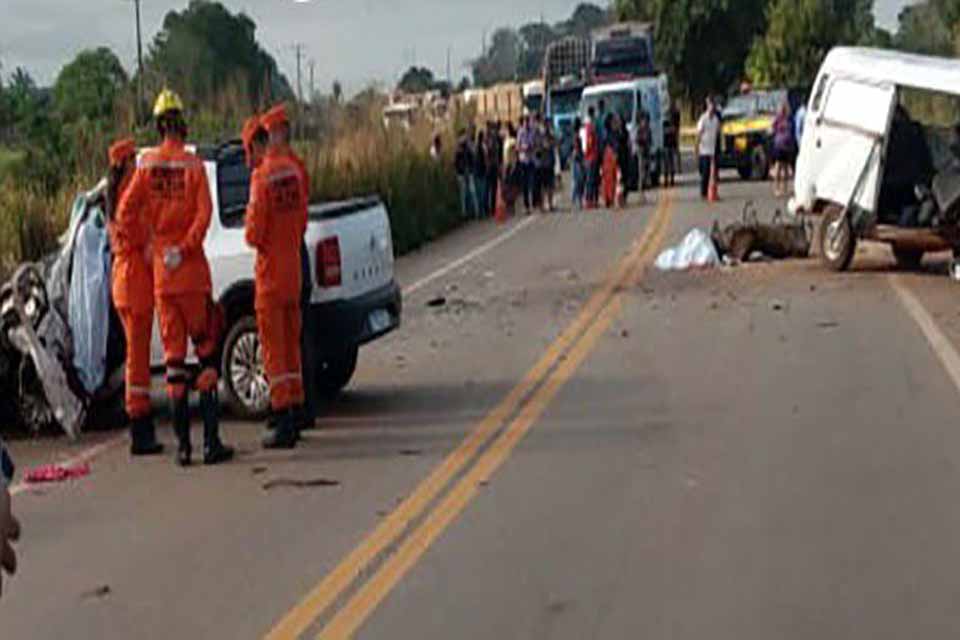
point(167, 101)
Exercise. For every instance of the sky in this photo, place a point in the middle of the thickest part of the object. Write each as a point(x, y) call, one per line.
point(354, 41)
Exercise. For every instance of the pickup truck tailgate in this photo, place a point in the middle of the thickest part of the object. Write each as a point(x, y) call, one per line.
point(362, 231)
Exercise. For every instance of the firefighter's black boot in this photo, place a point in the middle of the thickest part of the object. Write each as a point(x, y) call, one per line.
point(214, 451)
point(284, 436)
point(143, 437)
point(298, 418)
point(181, 426)
point(303, 419)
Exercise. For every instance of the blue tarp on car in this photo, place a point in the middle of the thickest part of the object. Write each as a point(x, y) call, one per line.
point(88, 309)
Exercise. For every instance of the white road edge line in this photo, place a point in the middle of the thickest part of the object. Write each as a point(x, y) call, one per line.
point(97, 450)
point(459, 262)
point(942, 346)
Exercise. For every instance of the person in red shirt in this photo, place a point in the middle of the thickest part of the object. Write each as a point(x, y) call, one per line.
point(132, 291)
point(168, 203)
point(276, 221)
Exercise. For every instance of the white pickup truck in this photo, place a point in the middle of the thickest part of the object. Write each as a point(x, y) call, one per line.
point(353, 300)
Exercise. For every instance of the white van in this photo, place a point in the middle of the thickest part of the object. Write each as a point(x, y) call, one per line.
point(869, 167)
point(626, 98)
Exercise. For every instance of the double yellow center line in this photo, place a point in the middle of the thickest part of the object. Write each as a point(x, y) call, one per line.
point(527, 402)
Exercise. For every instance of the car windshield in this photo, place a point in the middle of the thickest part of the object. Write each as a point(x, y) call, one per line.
point(769, 102)
point(533, 102)
point(740, 106)
point(619, 102)
point(565, 102)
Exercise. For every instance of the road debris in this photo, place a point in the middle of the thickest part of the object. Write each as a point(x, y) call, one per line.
point(751, 240)
point(56, 473)
point(97, 593)
point(828, 324)
point(290, 483)
point(411, 452)
point(258, 471)
point(439, 301)
point(777, 305)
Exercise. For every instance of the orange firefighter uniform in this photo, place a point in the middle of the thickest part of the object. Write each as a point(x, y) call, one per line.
point(132, 290)
point(170, 199)
point(250, 130)
point(275, 224)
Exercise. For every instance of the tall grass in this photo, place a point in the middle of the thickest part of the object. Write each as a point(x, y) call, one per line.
point(421, 193)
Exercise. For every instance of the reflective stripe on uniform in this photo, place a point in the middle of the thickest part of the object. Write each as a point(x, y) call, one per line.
point(282, 379)
point(283, 174)
point(138, 391)
point(155, 163)
point(177, 374)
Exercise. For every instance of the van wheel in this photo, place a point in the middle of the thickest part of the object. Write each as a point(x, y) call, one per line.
point(759, 163)
point(246, 390)
point(335, 373)
point(908, 259)
point(837, 242)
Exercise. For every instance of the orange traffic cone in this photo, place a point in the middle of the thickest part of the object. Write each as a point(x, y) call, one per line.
point(713, 194)
point(500, 214)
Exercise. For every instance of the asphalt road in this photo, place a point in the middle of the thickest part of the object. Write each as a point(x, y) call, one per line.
point(571, 446)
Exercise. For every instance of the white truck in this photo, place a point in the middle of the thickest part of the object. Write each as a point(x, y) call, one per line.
point(354, 298)
point(627, 98)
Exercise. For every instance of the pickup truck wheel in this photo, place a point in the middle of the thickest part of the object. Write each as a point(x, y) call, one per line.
point(335, 373)
point(837, 241)
point(246, 390)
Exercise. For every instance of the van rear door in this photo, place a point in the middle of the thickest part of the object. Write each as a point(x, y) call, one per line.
point(843, 153)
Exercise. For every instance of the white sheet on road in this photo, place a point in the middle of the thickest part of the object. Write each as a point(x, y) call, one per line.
point(695, 251)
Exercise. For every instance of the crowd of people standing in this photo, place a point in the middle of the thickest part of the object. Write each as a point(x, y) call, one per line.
point(505, 163)
point(502, 165)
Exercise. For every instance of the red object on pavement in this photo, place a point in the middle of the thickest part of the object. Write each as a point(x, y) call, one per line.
point(500, 213)
point(56, 473)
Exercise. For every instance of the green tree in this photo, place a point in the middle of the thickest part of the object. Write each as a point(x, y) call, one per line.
point(205, 49)
point(536, 37)
point(337, 91)
point(88, 87)
point(702, 44)
point(924, 29)
point(586, 17)
point(645, 10)
point(417, 80)
point(800, 34)
point(500, 63)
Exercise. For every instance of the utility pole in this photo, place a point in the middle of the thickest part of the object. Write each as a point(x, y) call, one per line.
point(449, 77)
point(136, 4)
point(298, 48)
point(312, 64)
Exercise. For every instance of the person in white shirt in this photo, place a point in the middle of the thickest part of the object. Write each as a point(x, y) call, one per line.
point(708, 132)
